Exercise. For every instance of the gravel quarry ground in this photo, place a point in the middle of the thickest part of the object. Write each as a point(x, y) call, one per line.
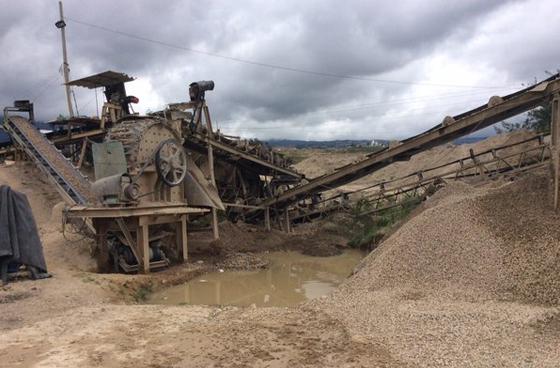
point(471, 280)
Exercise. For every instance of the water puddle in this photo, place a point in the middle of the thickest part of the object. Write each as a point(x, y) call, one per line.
point(291, 278)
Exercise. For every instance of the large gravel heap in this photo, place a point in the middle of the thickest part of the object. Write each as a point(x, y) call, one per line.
point(472, 280)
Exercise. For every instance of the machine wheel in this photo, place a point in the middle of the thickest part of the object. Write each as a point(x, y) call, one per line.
point(171, 162)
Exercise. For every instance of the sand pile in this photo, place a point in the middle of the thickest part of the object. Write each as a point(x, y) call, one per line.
point(472, 278)
point(319, 163)
point(520, 216)
point(322, 162)
point(501, 244)
point(442, 250)
point(443, 154)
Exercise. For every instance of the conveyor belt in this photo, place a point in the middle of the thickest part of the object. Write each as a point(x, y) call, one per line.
point(464, 124)
point(70, 183)
point(229, 152)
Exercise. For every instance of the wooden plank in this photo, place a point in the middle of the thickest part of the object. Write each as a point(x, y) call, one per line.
point(267, 219)
point(101, 212)
point(287, 221)
point(102, 256)
point(209, 133)
point(128, 236)
point(157, 220)
point(82, 153)
point(241, 205)
point(143, 248)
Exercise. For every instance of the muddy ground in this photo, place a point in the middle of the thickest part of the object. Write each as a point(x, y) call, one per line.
point(471, 280)
point(98, 319)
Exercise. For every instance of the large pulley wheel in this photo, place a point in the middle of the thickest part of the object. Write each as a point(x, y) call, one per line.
point(171, 162)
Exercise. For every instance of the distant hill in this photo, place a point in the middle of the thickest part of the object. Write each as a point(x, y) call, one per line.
point(292, 143)
point(468, 140)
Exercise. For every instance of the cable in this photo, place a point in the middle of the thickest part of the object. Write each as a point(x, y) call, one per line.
point(44, 88)
point(272, 66)
point(383, 115)
point(401, 102)
point(389, 103)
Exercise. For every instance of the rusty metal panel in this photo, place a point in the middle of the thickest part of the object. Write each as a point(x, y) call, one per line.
point(108, 159)
point(198, 190)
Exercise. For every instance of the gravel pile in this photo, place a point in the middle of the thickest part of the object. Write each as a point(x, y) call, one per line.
point(471, 281)
point(242, 261)
point(521, 216)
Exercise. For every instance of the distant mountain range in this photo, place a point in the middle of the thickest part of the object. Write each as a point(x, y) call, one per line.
point(344, 143)
point(294, 143)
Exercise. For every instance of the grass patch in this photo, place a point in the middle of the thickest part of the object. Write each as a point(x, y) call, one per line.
point(141, 294)
point(367, 230)
point(295, 155)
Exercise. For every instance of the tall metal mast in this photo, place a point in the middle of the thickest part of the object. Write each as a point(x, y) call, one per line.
point(61, 24)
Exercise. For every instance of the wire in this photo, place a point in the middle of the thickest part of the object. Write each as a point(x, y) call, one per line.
point(383, 115)
point(44, 88)
point(400, 102)
point(381, 103)
point(272, 66)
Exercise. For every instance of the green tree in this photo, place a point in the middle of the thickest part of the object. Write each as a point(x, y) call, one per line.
point(537, 120)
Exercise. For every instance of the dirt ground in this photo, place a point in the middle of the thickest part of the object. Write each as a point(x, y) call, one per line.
point(81, 317)
point(471, 280)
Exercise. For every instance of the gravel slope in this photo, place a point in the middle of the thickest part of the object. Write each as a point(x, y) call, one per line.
point(471, 281)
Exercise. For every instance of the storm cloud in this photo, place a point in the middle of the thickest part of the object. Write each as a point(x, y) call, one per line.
point(289, 69)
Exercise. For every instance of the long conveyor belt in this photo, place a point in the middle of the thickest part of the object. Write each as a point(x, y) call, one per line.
point(70, 183)
point(498, 109)
point(228, 151)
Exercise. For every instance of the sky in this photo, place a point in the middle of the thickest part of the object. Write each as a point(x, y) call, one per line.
point(292, 69)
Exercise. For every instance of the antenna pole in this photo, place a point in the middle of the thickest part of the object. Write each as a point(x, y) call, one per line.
point(61, 24)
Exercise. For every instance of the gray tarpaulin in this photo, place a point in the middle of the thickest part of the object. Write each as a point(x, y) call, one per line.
point(19, 239)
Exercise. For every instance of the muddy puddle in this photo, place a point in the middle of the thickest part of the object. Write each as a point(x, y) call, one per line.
point(291, 278)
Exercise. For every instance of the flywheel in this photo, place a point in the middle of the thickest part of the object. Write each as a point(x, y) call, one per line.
point(171, 162)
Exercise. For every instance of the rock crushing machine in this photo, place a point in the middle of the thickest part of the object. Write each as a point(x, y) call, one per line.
point(138, 204)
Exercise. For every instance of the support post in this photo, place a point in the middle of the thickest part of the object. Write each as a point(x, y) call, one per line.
point(82, 152)
point(267, 218)
point(143, 243)
point(182, 243)
point(101, 226)
point(209, 133)
point(287, 219)
point(555, 144)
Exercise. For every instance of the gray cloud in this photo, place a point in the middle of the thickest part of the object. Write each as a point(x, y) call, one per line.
point(462, 43)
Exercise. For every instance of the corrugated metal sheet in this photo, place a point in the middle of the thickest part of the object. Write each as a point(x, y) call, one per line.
point(107, 78)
